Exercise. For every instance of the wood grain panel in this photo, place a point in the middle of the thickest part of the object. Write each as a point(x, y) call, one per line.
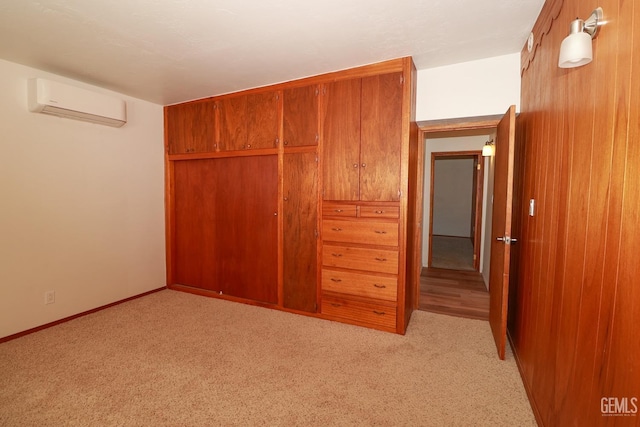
point(224, 221)
point(622, 376)
point(379, 211)
point(364, 285)
point(341, 149)
point(262, 120)
point(360, 232)
point(246, 226)
point(194, 249)
point(366, 313)
point(338, 209)
point(366, 259)
point(300, 205)
point(574, 332)
point(300, 111)
point(232, 113)
point(381, 137)
point(190, 127)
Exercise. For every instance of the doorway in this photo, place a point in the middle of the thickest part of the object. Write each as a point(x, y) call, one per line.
point(505, 163)
point(453, 292)
point(456, 210)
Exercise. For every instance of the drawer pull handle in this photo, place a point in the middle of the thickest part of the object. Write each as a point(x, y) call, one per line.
point(380, 232)
point(379, 313)
point(379, 212)
point(337, 210)
point(336, 280)
point(333, 304)
point(379, 286)
point(336, 229)
point(336, 255)
point(380, 259)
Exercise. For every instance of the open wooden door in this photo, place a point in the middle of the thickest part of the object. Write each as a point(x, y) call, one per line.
point(501, 238)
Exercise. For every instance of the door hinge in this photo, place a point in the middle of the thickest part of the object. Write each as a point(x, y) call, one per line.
point(478, 166)
point(401, 80)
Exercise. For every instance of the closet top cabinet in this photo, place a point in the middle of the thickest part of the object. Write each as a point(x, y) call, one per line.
point(362, 122)
point(249, 121)
point(191, 128)
point(300, 112)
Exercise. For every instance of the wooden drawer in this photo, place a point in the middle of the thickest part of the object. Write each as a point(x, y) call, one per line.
point(365, 285)
point(379, 212)
point(336, 209)
point(359, 312)
point(378, 260)
point(360, 232)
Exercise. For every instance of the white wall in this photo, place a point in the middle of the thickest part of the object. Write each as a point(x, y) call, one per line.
point(452, 194)
point(466, 143)
point(82, 207)
point(477, 88)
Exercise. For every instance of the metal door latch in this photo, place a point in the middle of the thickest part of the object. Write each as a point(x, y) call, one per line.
point(507, 240)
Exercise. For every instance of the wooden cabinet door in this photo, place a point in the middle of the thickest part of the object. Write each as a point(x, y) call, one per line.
point(225, 236)
point(262, 120)
point(191, 127)
point(300, 116)
point(233, 123)
point(381, 137)
point(341, 121)
point(194, 232)
point(246, 225)
point(300, 204)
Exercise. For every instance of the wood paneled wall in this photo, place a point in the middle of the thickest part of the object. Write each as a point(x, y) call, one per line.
point(576, 308)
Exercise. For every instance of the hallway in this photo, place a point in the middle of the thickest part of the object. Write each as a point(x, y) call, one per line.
point(452, 292)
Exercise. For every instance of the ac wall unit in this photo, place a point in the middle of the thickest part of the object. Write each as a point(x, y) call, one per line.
point(58, 99)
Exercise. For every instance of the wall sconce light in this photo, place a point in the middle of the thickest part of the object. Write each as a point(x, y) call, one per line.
point(576, 49)
point(487, 148)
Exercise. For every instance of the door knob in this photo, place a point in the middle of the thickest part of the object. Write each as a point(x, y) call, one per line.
point(507, 240)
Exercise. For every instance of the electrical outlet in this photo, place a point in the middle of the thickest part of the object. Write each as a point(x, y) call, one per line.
point(50, 297)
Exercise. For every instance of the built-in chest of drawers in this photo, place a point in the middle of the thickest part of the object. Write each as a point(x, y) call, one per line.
point(360, 264)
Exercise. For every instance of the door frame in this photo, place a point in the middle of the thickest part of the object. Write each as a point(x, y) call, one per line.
point(478, 177)
point(463, 126)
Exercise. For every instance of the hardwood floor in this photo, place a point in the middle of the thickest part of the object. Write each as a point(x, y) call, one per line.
point(452, 292)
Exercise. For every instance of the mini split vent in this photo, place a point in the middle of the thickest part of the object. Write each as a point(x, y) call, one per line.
point(48, 97)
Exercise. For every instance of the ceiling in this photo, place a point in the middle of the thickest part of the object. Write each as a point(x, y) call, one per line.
point(169, 51)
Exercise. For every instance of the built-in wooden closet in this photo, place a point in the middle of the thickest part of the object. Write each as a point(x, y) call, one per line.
point(296, 196)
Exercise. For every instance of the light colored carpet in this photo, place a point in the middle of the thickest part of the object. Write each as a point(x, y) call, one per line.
point(453, 253)
point(175, 359)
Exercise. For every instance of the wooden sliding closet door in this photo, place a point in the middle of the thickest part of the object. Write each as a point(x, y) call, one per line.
point(226, 226)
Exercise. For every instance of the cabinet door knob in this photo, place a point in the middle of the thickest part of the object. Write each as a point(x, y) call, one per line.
point(355, 166)
point(337, 210)
point(364, 165)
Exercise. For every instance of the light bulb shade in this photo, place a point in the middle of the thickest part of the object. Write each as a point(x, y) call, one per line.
point(487, 150)
point(576, 50)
